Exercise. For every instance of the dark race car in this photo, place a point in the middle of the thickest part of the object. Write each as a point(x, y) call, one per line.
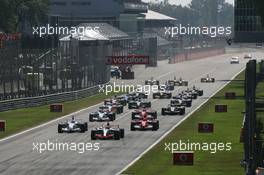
point(116, 108)
point(152, 81)
point(173, 110)
point(179, 82)
point(139, 103)
point(108, 132)
point(135, 95)
point(141, 113)
point(208, 79)
point(198, 90)
point(166, 87)
point(162, 95)
point(102, 116)
point(185, 95)
point(72, 126)
point(115, 72)
point(144, 123)
point(181, 102)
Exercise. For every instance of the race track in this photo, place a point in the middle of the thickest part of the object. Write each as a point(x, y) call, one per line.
point(17, 155)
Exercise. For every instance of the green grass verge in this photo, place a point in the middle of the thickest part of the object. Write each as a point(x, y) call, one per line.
point(21, 119)
point(227, 129)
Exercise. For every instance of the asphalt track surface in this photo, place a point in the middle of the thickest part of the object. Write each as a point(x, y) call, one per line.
point(17, 155)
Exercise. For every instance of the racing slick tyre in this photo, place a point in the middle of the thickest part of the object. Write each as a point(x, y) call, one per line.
point(122, 133)
point(59, 129)
point(116, 135)
point(119, 109)
point(133, 116)
point(188, 103)
point(82, 127)
point(182, 111)
point(155, 126)
point(200, 92)
point(185, 83)
point(213, 80)
point(129, 106)
point(132, 127)
point(163, 111)
point(154, 114)
point(93, 137)
point(194, 96)
point(91, 118)
point(112, 117)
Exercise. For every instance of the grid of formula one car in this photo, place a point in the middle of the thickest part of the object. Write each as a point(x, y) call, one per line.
point(143, 117)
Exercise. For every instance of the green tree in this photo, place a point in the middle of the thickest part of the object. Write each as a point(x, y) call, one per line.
point(13, 13)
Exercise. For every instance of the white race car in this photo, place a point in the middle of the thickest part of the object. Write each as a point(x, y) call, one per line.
point(234, 60)
point(72, 126)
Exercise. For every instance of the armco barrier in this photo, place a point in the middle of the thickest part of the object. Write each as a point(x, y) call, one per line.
point(48, 99)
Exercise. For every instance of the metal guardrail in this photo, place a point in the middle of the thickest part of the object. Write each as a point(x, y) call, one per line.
point(48, 99)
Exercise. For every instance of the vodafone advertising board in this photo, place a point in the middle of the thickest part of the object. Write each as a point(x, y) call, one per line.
point(129, 59)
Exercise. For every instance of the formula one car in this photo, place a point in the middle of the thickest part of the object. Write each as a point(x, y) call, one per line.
point(102, 116)
point(166, 87)
point(234, 60)
point(151, 82)
point(198, 90)
point(207, 79)
point(72, 126)
point(173, 110)
point(144, 123)
point(141, 113)
point(121, 100)
point(116, 108)
point(139, 103)
point(187, 102)
point(136, 95)
point(115, 72)
point(179, 82)
point(162, 95)
point(108, 132)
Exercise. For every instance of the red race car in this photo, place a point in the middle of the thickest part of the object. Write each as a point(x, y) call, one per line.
point(144, 121)
point(140, 113)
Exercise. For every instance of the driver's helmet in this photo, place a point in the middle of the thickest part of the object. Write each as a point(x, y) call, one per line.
point(107, 125)
point(180, 78)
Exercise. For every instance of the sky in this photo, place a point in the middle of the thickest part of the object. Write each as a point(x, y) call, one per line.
point(182, 2)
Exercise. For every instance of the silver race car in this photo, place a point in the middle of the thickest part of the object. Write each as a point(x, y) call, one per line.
point(72, 126)
point(108, 132)
point(102, 116)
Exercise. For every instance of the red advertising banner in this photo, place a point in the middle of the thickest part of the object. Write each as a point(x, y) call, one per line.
point(220, 108)
point(2, 125)
point(10, 36)
point(56, 107)
point(205, 127)
point(183, 158)
point(129, 59)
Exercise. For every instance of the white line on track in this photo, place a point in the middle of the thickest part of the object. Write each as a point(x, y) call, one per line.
point(176, 125)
